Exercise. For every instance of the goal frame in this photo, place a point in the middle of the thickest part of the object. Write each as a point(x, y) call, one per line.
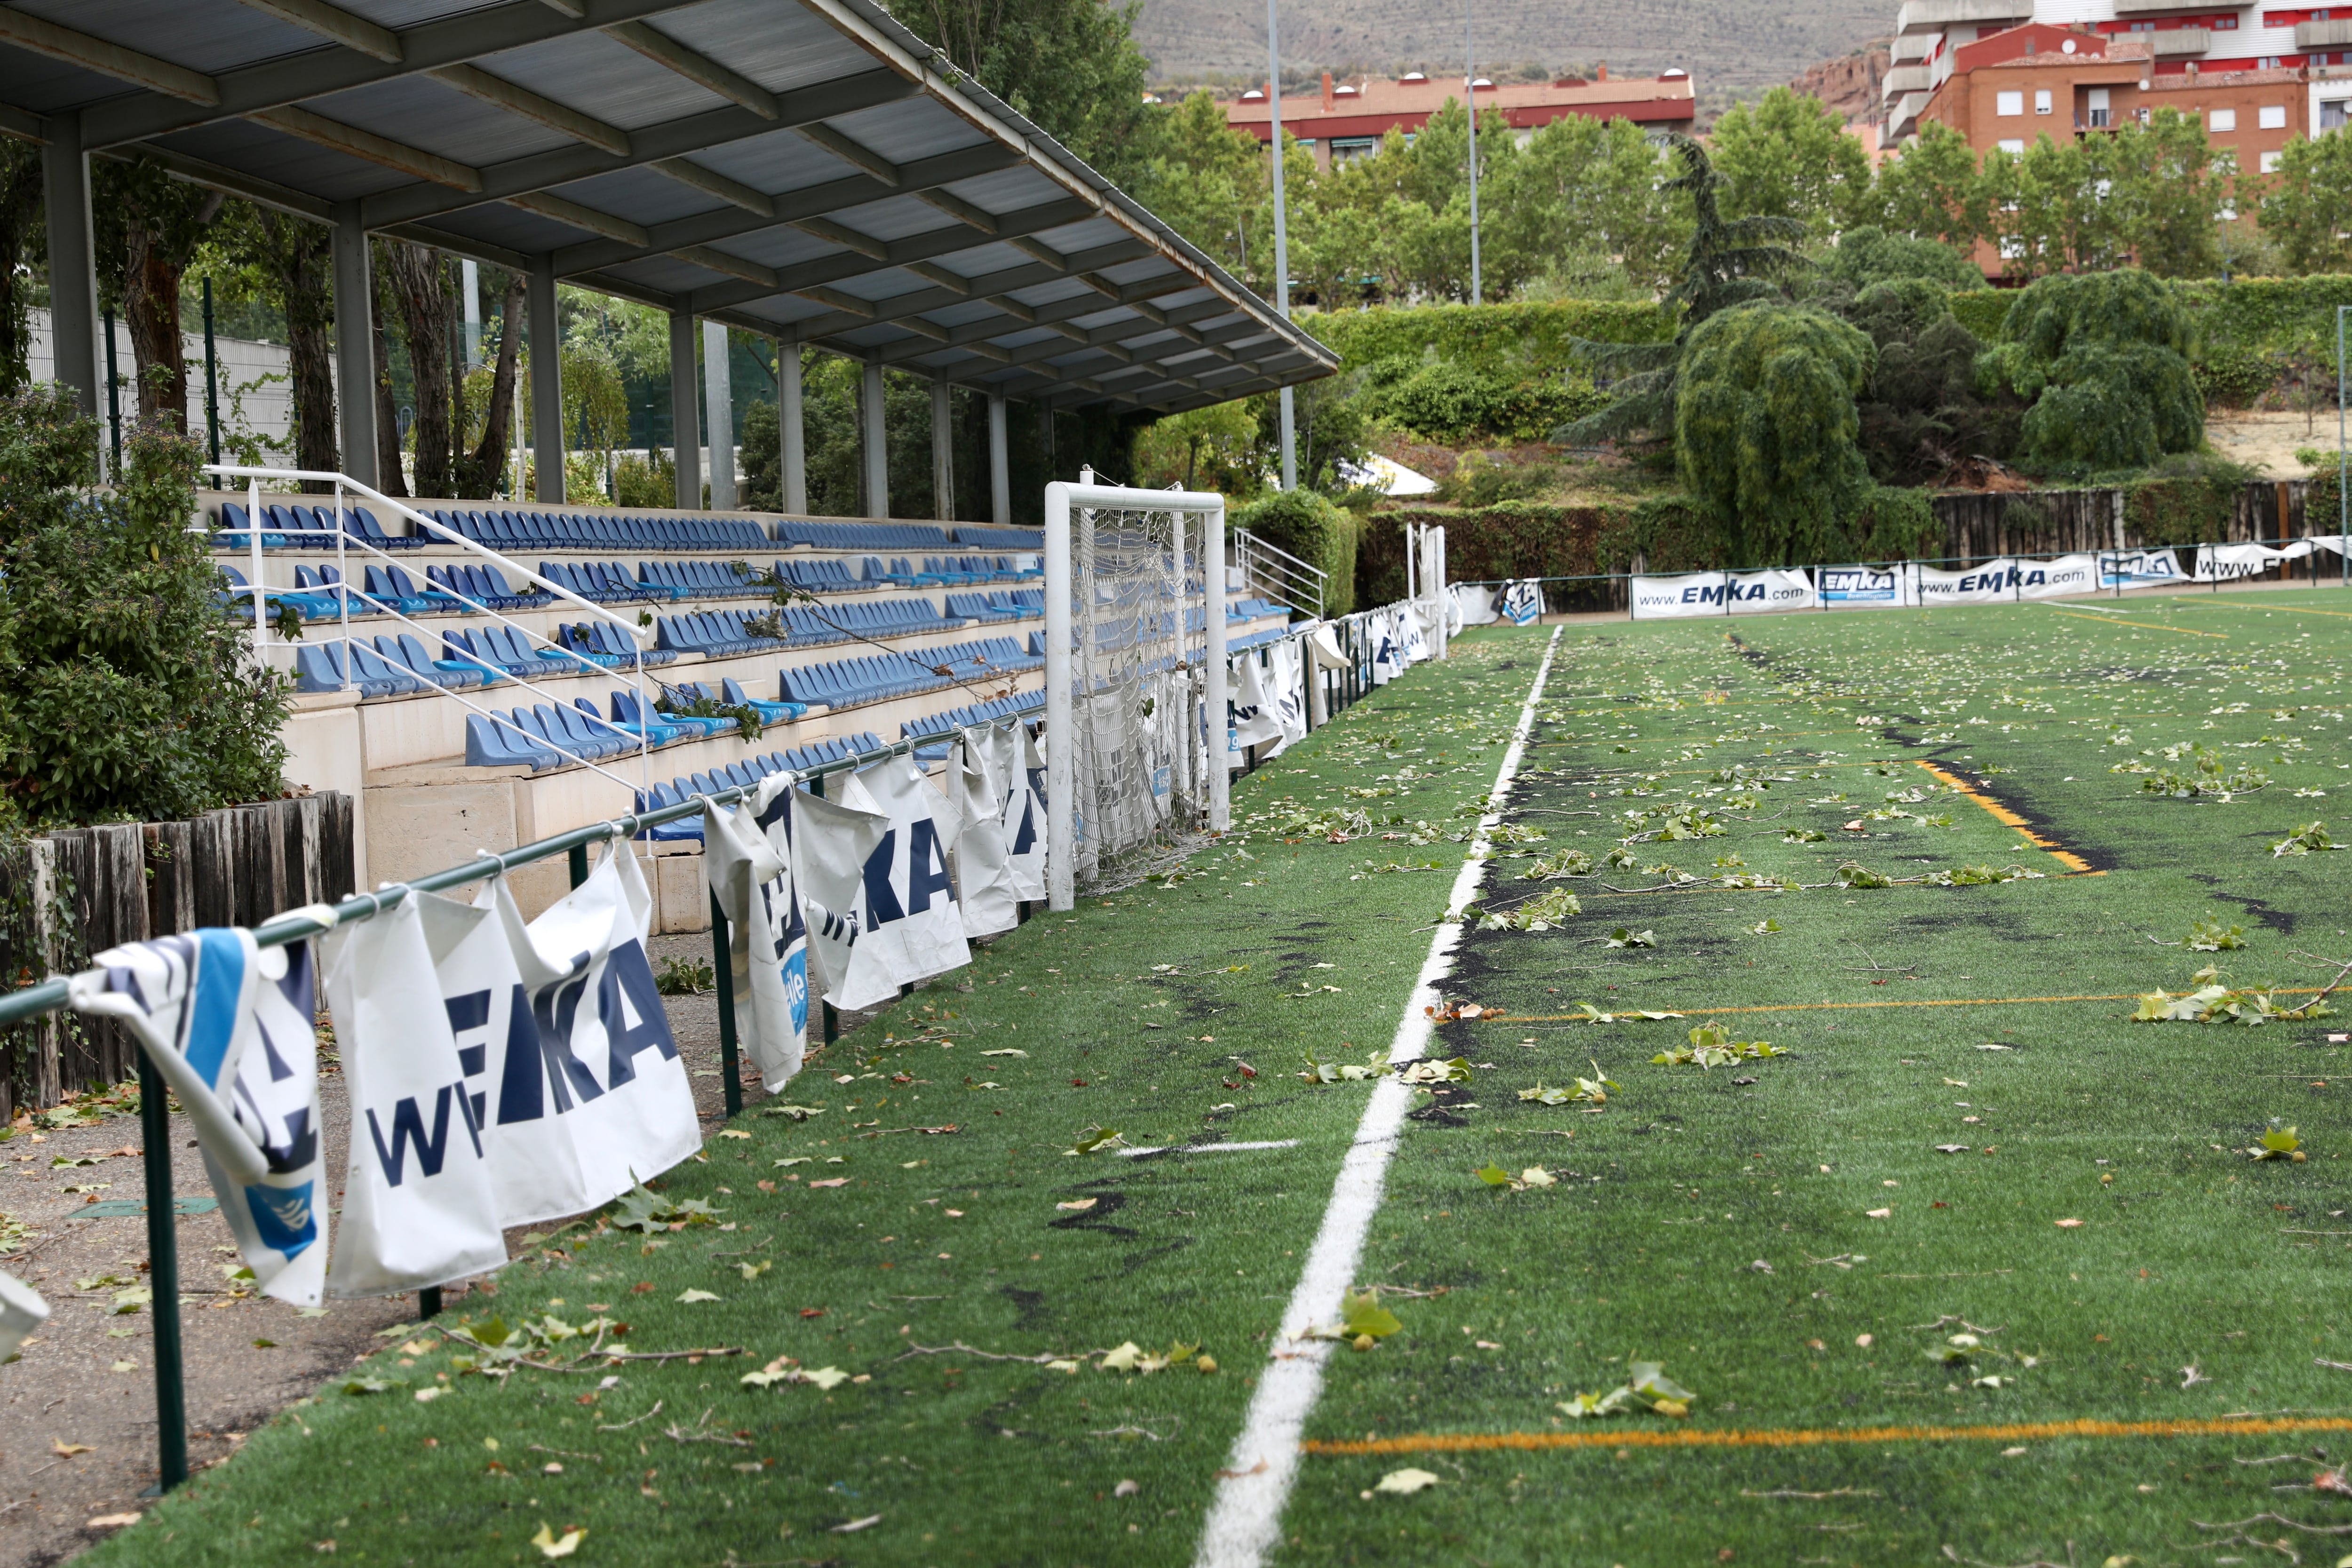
point(1061, 498)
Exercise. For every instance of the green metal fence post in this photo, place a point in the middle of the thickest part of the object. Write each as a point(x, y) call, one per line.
point(164, 1277)
point(731, 1072)
point(579, 863)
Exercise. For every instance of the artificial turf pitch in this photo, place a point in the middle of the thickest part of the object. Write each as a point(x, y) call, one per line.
point(1717, 1221)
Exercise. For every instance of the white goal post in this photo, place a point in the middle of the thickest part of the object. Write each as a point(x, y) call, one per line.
point(1134, 711)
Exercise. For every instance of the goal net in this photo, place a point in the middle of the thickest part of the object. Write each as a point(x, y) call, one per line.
point(1135, 679)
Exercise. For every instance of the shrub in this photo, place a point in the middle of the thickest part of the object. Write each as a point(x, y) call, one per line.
point(1314, 528)
point(126, 689)
point(2103, 358)
point(1867, 255)
point(1765, 430)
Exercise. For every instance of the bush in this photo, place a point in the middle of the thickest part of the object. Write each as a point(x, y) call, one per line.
point(1765, 430)
point(1451, 402)
point(1867, 255)
point(1317, 530)
point(2188, 500)
point(1513, 539)
point(2103, 358)
point(127, 691)
point(639, 483)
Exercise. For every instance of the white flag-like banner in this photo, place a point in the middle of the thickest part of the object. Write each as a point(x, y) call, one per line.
point(1720, 593)
point(1253, 724)
point(1893, 585)
point(2139, 569)
point(890, 915)
point(1284, 685)
point(986, 889)
point(1023, 818)
point(836, 832)
point(1387, 631)
point(2235, 562)
point(229, 1026)
point(1523, 602)
point(419, 1204)
point(1754, 593)
point(746, 857)
point(2007, 578)
point(574, 1077)
point(1475, 605)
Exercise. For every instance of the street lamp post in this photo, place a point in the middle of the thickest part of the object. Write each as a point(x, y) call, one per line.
point(1470, 93)
point(1281, 233)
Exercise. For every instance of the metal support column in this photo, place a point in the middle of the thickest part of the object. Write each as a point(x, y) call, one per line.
point(794, 425)
point(164, 1277)
point(212, 379)
point(722, 958)
point(73, 277)
point(942, 454)
point(1000, 467)
point(873, 447)
point(684, 415)
point(546, 338)
point(719, 404)
point(354, 342)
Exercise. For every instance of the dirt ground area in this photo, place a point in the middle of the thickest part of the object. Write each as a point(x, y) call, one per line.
point(2267, 440)
point(78, 1410)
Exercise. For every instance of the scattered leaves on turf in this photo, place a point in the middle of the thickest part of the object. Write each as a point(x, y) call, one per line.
point(1404, 1482)
point(1621, 937)
point(1430, 1069)
point(2306, 840)
point(1094, 1138)
point(1342, 1072)
point(2279, 1144)
point(551, 1545)
point(1712, 1046)
point(1647, 1386)
point(2211, 1000)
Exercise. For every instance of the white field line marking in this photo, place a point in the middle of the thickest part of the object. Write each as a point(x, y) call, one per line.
point(1245, 1516)
point(1205, 1147)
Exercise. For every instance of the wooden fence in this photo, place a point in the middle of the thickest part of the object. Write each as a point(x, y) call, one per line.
point(1978, 526)
point(67, 895)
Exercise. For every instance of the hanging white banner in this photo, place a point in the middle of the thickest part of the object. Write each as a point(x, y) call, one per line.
point(419, 1207)
point(836, 832)
point(1387, 631)
point(1253, 724)
point(2007, 578)
point(2139, 569)
point(1523, 602)
point(1895, 585)
point(1760, 593)
point(229, 1026)
point(907, 923)
point(1024, 816)
point(1285, 687)
point(985, 889)
point(1673, 598)
point(746, 857)
point(1475, 605)
point(574, 1078)
point(1416, 629)
point(2236, 563)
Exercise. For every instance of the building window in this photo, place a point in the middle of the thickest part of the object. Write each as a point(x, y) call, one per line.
point(2224, 24)
point(2271, 116)
point(2222, 120)
point(2332, 114)
point(2014, 146)
point(2271, 162)
point(2141, 27)
point(2041, 100)
point(2267, 63)
point(2009, 103)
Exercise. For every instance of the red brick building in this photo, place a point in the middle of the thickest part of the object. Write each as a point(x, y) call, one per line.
point(1351, 117)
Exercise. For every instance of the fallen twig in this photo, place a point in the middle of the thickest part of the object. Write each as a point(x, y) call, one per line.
point(1785, 1492)
point(624, 1426)
point(703, 1434)
point(959, 1348)
point(2277, 1519)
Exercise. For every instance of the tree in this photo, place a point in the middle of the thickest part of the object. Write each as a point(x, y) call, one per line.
point(1790, 157)
point(1071, 65)
point(289, 259)
point(1585, 189)
point(1870, 255)
point(126, 690)
point(1920, 412)
point(146, 226)
point(23, 235)
point(1765, 430)
point(2170, 189)
point(1207, 180)
point(1207, 449)
point(477, 472)
point(2308, 207)
point(1933, 189)
point(2103, 358)
point(421, 291)
point(1732, 261)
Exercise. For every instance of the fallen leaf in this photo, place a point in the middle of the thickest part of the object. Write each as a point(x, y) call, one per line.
point(549, 1546)
point(427, 1396)
point(1951, 1148)
point(125, 1366)
point(827, 1378)
point(111, 1522)
point(831, 1182)
point(697, 1296)
point(1405, 1483)
point(1879, 1214)
point(1536, 1177)
point(2067, 1224)
point(1078, 1206)
point(734, 1132)
point(67, 1450)
point(1123, 1359)
point(1126, 1488)
point(854, 1525)
point(1007, 1051)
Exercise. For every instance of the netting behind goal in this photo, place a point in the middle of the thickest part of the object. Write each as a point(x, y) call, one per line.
point(1128, 575)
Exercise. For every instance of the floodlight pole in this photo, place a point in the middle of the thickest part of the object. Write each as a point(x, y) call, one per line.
point(1281, 233)
point(2343, 503)
point(1470, 92)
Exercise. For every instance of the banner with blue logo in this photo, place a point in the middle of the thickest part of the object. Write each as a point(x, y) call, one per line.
point(1888, 585)
point(881, 904)
point(419, 1207)
point(230, 1027)
point(746, 857)
point(1023, 769)
point(977, 791)
point(1523, 602)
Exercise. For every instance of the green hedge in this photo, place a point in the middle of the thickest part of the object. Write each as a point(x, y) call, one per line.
point(1507, 540)
point(1982, 311)
point(1492, 338)
point(1314, 528)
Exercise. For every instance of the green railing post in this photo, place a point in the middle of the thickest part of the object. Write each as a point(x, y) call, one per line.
point(428, 1303)
point(579, 863)
point(731, 1072)
point(164, 1277)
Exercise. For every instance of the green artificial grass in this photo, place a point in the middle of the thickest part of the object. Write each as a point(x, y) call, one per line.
point(1714, 1220)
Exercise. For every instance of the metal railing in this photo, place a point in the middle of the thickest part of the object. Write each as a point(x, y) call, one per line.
point(1273, 571)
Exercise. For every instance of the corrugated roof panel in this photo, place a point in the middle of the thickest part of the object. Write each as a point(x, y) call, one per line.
point(776, 162)
point(779, 247)
point(208, 36)
point(602, 78)
point(664, 274)
point(40, 85)
point(494, 223)
point(305, 165)
point(911, 128)
point(411, 13)
point(1041, 294)
point(900, 218)
point(645, 195)
point(780, 46)
point(419, 112)
point(1021, 185)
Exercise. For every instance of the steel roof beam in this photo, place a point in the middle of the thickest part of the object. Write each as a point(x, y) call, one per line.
point(695, 67)
point(914, 247)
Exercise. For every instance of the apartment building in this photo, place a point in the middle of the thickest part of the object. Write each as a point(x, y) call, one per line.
point(2037, 79)
point(1349, 118)
point(2181, 41)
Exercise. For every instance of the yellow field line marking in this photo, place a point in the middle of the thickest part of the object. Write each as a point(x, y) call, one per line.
point(2297, 609)
point(1802, 1437)
point(1714, 887)
point(2152, 626)
point(2006, 818)
point(1852, 1006)
point(1674, 740)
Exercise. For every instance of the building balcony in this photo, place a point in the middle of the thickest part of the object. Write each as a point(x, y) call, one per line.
point(1902, 79)
point(2323, 35)
point(1935, 15)
point(2174, 42)
point(1912, 48)
point(1903, 120)
point(2158, 7)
